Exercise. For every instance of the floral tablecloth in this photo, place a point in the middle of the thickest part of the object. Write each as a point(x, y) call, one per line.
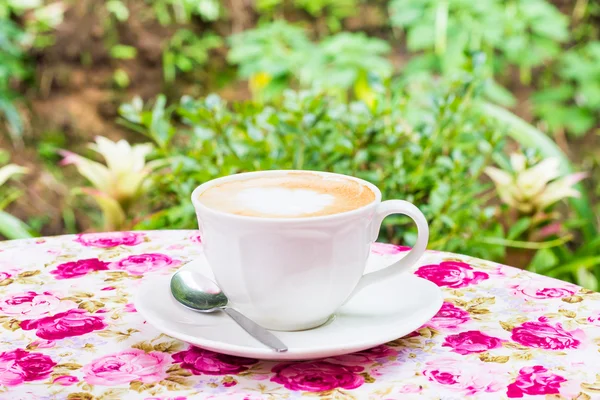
point(68, 330)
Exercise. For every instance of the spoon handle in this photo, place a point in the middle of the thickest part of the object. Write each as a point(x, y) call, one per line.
point(257, 331)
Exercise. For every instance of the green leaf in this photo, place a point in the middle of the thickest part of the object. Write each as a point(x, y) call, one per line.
point(123, 52)
point(13, 228)
point(586, 279)
point(499, 94)
point(544, 260)
point(519, 228)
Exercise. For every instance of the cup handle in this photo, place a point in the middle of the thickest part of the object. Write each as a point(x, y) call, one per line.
point(399, 267)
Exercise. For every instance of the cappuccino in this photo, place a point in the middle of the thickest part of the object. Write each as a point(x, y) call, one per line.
point(293, 195)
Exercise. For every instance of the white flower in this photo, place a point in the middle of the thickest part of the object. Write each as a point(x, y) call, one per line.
point(125, 170)
point(535, 188)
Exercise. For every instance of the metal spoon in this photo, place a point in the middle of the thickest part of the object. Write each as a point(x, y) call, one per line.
point(198, 293)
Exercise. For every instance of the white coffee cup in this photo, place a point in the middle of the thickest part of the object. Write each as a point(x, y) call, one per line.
point(293, 273)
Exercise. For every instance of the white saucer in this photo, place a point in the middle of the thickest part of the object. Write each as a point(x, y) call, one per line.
point(379, 314)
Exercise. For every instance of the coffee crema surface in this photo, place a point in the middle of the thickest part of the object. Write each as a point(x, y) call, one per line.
point(294, 195)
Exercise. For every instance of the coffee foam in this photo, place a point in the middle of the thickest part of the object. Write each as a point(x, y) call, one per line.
point(294, 195)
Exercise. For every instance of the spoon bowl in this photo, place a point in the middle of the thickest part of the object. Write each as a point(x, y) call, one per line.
point(196, 292)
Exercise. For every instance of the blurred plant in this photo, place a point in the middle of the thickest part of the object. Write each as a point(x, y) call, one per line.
point(118, 9)
point(434, 159)
point(10, 226)
point(345, 61)
point(15, 42)
point(269, 56)
point(533, 190)
point(525, 33)
point(277, 55)
point(186, 51)
point(119, 183)
point(123, 52)
point(574, 102)
point(182, 11)
point(13, 68)
point(333, 12)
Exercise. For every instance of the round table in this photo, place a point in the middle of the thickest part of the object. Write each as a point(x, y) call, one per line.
point(69, 331)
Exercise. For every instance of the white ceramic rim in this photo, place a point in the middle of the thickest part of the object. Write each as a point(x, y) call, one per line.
point(248, 175)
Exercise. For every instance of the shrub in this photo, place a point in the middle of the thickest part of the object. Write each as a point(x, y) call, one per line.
point(431, 154)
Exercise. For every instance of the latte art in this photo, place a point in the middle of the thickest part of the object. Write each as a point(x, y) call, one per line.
point(294, 195)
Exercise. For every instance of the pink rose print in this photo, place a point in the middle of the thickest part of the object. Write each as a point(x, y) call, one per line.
point(126, 366)
point(544, 336)
point(110, 239)
point(75, 269)
point(365, 356)
point(199, 361)
point(383, 249)
point(533, 381)
point(66, 324)
point(196, 238)
point(594, 319)
point(18, 366)
point(317, 376)
point(32, 304)
point(129, 308)
point(466, 379)
point(471, 342)
point(453, 274)
point(143, 263)
point(449, 317)
point(65, 380)
point(410, 388)
point(540, 290)
point(4, 276)
point(166, 398)
point(43, 344)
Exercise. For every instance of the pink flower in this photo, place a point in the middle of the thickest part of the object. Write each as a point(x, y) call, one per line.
point(539, 290)
point(166, 398)
point(453, 274)
point(199, 361)
point(229, 383)
point(108, 288)
point(143, 263)
point(449, 317)
point(365, 356)
point(4, 276)
point(66, 324)
point(594, 319)
point(533, 381)
point(75, 269)
point(317, 376)
point(129, 308)
point(126, 366)
point(18, 366)
point(43, 344)
point(110, 239)
point(383, 249)
point(410, 388)
point(32, 304)
point(466, 379)
point(196, 238)
point(65, 380)
point(471, 342)
point(544, 336)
